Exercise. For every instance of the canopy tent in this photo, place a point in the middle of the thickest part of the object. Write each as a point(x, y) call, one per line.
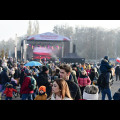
point(48, 36)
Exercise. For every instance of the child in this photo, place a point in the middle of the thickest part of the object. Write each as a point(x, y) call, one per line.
point(42, 94)
point(9, 91)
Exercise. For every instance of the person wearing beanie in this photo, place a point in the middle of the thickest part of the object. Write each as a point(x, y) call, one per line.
point(42, 94)
point(90, 93)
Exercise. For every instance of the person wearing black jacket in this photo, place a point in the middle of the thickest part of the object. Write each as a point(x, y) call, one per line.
point(117, 72)
point(43, 80)
point(4, 78)
point(65, 71)
point(105, 69)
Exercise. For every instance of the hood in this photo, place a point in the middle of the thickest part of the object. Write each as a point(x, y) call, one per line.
point(87, 96)
point(104, 61)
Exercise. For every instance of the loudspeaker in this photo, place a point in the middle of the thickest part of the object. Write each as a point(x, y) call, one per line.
point(74, 48)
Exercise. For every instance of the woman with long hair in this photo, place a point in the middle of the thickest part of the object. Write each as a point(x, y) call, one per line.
point(60, 90)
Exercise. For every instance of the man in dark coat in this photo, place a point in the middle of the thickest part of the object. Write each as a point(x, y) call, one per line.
point(74, 67)
point(22, 71)
point(117, 72)
point(43, 80)
point(105, 69)
point(4, 78)
point(0, 62)
point(65, 72)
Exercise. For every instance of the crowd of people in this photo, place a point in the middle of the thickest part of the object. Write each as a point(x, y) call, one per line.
point(58, 81)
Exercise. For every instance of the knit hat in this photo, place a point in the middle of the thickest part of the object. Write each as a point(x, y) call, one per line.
point(43, 88)
point(106, 57)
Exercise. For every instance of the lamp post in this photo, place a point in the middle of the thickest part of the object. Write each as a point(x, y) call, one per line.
point(16, 48)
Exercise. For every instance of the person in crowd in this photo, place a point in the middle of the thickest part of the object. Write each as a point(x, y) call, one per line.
point(116, 95)
point(117, 72)
point(90, 93)
point(0, 62)
point(74, 67)
point(4, 63)
point(25, 91)
point(4, 78)
point(65, 71)
point(17, 73)
point(14, 82)
point(36, 89)
point(105, 69)
point(35, 70)
point(42, 94)
point(56, 74)
point(73, 76)
point(93, 75)
point(10, 63)
point(43, 80)
point(83, 81)
point(22, 71)
point(88, 69)
point(60, 90)
point(9, 92)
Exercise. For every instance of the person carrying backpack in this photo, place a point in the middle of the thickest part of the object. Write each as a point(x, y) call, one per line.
point(105, 78)
point(27, 87)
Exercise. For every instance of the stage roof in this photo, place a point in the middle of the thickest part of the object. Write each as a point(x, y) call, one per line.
point(49, 37)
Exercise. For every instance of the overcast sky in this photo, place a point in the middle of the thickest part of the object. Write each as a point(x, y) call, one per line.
point(8, 28)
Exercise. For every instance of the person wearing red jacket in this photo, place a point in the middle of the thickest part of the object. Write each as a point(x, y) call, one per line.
point(83, 81)
point(25, 90)
point(9, 92)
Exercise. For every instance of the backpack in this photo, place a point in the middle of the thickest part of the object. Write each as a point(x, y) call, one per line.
point(32, 86)
point(101, 82)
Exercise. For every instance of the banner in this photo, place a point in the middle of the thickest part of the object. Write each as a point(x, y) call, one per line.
point(48, 36)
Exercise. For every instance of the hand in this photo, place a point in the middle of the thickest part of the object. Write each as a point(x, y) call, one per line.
point(49, 80)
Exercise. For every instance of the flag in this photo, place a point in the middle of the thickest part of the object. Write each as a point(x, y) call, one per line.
point(118, 60)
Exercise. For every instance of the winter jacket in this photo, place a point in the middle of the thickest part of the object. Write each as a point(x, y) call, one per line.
point(74, 90)
point(42, 80)
point(84, 81)
point(25, 86)
point(21, 76)
point(41, 97)
point(116, 96)
point(117, 70)
point(73, 78)
point(17, 73)
point(88, 71)
point(105, 66)
point(9, 92)
point(4, 77)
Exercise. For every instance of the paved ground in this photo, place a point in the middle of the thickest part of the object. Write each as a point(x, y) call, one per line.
point(114, 88)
